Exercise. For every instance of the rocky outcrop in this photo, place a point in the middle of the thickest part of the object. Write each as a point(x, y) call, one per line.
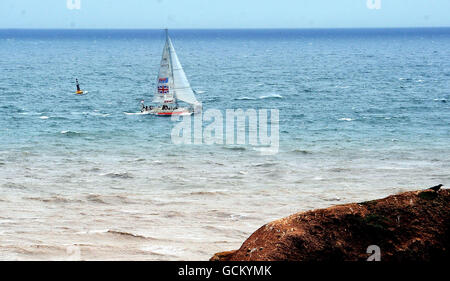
point(412, 226)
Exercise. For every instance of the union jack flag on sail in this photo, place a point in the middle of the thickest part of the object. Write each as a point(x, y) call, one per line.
point(163, 89)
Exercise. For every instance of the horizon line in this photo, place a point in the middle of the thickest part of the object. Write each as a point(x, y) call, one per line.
point(227, 28)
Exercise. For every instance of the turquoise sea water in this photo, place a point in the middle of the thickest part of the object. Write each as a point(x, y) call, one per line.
point(364, 113)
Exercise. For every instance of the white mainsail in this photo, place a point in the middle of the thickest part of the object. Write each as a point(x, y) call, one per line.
point(164, 77)
point(173, 84)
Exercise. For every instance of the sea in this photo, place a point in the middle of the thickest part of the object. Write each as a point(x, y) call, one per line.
point(363, 114)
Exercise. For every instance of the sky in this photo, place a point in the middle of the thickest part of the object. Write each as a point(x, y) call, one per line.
point(179, 14)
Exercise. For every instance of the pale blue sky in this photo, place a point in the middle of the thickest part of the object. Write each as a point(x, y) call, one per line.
point(223, 14)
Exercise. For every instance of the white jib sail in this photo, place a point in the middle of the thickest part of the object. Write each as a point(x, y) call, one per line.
point(181, 87)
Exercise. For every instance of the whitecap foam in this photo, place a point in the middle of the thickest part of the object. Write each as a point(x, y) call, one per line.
point(245, 98)
point(274, 96)
point(100, 114)
point(130, 211)
point(70, 133)
point(136, 113)
point(163, 250)
point(345, 119)
point(94, 231)
point(44, 117)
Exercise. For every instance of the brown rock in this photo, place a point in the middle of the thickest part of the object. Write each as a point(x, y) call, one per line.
point(407, 227)
point(223, 256)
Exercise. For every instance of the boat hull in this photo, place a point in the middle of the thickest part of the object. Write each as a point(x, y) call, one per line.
point(169, 112)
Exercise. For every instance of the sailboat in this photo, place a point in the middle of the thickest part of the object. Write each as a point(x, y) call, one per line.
point(172, 87)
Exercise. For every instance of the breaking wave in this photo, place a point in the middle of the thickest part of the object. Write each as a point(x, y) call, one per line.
point(207, 193)
point(54, 199)
point(244, 98)
point(127, 234)
point(274, 96)
point(124, 175)
point(301, 151)
point(235, 148)
point(71, 133)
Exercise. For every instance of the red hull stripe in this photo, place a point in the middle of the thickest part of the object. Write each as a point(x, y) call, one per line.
point(170, 113)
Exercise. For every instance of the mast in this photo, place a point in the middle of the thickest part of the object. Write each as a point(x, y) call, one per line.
point(168, 43)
